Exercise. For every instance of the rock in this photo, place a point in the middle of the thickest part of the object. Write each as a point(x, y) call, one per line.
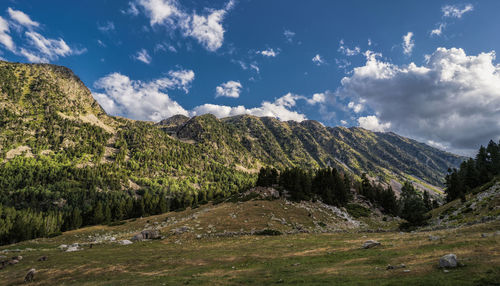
point(370, 244)
point(406, 270)
point(125, 242)
point(18, 258)
point(30, 275)
point(13, 261)
point(137, 237)
point(73, 248)
point(448, 261)
point(432, 237)
point(43, 258)
point(446, 271)
point(146, 234)
point(62, 246)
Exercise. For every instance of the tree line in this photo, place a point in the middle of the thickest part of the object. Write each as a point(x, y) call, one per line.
point(474, 172)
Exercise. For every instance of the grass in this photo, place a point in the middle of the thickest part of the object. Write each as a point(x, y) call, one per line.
point(301, 259)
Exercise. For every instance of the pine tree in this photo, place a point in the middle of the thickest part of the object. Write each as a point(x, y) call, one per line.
point(98, 213)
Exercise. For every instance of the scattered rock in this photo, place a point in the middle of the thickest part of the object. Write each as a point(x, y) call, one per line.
point(43, 258)
point(406, 270)
point(125, 242)
point(370, 244)
point(18, 258)
point(137, 237)
point(448, 261)
point(30, 275)
point(13, 261)
point(434, 237)
point(62, 246)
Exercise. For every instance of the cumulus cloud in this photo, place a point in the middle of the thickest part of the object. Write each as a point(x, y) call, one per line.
point(143, 56)
point(229, 89)
point(456, 11)
point(5, 38)
point(408, 43)
point(356, 107)
point(21, 18)
point(206, 29)
point(280, 109)
point(318, 60)
point(452, 100)
point(142, 100)
point(269, 53)
point(372, 123)
point(347, 51)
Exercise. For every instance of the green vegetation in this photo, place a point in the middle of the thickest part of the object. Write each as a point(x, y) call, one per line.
point(473, 172)
point(65, 164)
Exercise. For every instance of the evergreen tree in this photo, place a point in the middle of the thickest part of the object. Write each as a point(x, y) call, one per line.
point(413, 208)
point(98, 214)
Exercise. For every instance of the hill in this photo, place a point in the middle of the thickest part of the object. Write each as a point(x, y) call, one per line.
point(66, 163)
point(226, 244)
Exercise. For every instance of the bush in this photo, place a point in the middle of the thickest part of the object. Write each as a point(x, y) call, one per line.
point(269, 232)
point(357, 211)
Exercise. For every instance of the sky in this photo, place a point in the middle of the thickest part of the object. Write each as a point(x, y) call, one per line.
point(422, 69)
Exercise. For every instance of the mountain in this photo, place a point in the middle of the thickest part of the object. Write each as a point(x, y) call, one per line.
point(46, 110)
point(65, 163)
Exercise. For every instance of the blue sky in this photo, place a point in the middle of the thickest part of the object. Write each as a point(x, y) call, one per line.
point(424, 69)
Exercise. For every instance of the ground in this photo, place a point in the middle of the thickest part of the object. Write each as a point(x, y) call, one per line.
point(202, 258)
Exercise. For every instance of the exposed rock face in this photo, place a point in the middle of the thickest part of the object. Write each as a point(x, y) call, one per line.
point(448, 261)
point(370, 244)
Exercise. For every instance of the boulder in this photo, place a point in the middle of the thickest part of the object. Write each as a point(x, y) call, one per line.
point(125, 242)
point(137, 237)
point(73, 248)
point(13, 261)
point(43, 258)
point(150, 234)
point(62, 246)
point(448, 261)
point(370, 244)
point(30, 275)
point(433, 237)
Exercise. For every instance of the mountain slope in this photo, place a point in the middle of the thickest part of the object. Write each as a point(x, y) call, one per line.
point(310, 144)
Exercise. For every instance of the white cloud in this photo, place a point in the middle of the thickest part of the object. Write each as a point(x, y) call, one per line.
point(439, 30)
point(131, 10)
point(36, 48)
point(279, 109)
point(21, 18)
point(289, 35)
point(408, 43)
point(318, 60)
point(142, 100)
point(206, 29)
point(453, 99)
point(49, 49)
point(143, 56)
point(343, 122)
point(5, 38)
point(229, 89)
point(350, 52)
point(269, 53)
point(356, 107)
point(456, 11)
point(372, 123)
point(109, 26)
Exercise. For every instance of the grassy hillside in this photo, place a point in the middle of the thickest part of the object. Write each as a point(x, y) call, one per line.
point(219, 245)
